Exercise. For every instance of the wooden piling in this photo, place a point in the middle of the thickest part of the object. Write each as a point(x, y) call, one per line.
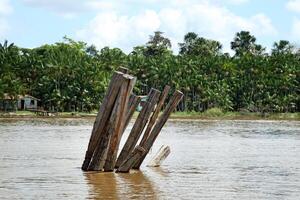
point(134, 101)
point(138, 126)
point(124, 70)
point(102, 116)
point(111, 127)
point(131, 159)
point(120, 125)
point(160, 156)
point(155, 114)
point(175, 99)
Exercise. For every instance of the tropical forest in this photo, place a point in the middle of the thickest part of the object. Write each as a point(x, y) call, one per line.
point(73, 76)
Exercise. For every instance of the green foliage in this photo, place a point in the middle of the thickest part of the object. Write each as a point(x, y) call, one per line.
point(214, 112)
point(194, 45)
point(10, 82)
point(72, 76)
point(244, 43)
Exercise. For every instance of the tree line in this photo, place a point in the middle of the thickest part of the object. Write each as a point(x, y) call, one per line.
point(73, 76)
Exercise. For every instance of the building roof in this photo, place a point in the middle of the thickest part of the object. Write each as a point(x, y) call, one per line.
point(8, 97)
point(27, 96)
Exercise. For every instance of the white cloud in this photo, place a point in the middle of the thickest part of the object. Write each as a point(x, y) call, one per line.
point(3, 28)
point(71, 8)
point(207, 19)
point(129, 23)
point(293, 5)
point(110, 29)
point(296, 30)
point(5, 7)
point(238, 2)
point(74, 7)
point(5, 10)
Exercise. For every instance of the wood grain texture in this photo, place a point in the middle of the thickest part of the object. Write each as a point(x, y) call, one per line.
point(101, 151)
point(131, 159)
point(138, 126)
point(155, 114)
point(175, 99)
point(124, 70)
point(102, 117)
point(120, 124)
point(160, 156)
point(133, 104)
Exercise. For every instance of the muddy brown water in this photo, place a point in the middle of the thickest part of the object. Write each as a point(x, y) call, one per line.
point(41, 159)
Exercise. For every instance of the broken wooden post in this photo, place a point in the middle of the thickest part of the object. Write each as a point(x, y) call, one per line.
point(138, 126)
point(102, 116)
point(160, 156)
point(117, 135)
point(131, 159)
point(112, 126)
point(175, 99)
point(155, 114)
point(124, 70)
point(112, 119)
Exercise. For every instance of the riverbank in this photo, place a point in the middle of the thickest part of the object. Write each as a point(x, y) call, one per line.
point(213, 114)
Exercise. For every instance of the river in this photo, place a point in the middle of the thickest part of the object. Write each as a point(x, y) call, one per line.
point(41, 159)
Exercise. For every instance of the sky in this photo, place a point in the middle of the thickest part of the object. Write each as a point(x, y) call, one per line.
point(128, 23)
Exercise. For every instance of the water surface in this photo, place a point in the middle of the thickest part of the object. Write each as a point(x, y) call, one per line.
point(41, 159)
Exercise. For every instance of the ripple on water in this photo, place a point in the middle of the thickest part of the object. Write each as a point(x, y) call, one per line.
point(41, 159)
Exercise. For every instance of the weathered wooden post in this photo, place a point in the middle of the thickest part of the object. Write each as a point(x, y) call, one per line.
point(134, 101)
point(102, 116)
point(124, 70)
point(160, 156)
point(155, 114)
point(113, 126)
point(132, 158)
point(138, 126)
point(175, 99)
point(112, 119)
point(120, 125)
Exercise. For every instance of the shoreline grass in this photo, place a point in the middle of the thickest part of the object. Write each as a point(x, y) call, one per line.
point(211, 114)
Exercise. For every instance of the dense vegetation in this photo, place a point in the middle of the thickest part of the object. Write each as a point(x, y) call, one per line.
point(71, 75)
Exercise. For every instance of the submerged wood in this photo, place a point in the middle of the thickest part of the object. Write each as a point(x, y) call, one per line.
point(175, 99)
point(155, 114)
point(131, 159)
point(138, 126)
point(160, 156)
point(101, 151)
point(120, 124)
point(102, 117)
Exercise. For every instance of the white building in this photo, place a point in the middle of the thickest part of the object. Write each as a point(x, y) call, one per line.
point(27, 102)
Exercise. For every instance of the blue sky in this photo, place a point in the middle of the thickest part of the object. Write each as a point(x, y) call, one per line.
point(128, 23)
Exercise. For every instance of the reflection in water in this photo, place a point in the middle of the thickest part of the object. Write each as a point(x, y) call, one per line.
point(164, 173)
point(138, 186)
point(109, 185)
point(102, 185)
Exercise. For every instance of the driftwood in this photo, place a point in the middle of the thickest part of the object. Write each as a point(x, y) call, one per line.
point(160, 156)
point(138, 126)
point(175, 99)
point(102, 116)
